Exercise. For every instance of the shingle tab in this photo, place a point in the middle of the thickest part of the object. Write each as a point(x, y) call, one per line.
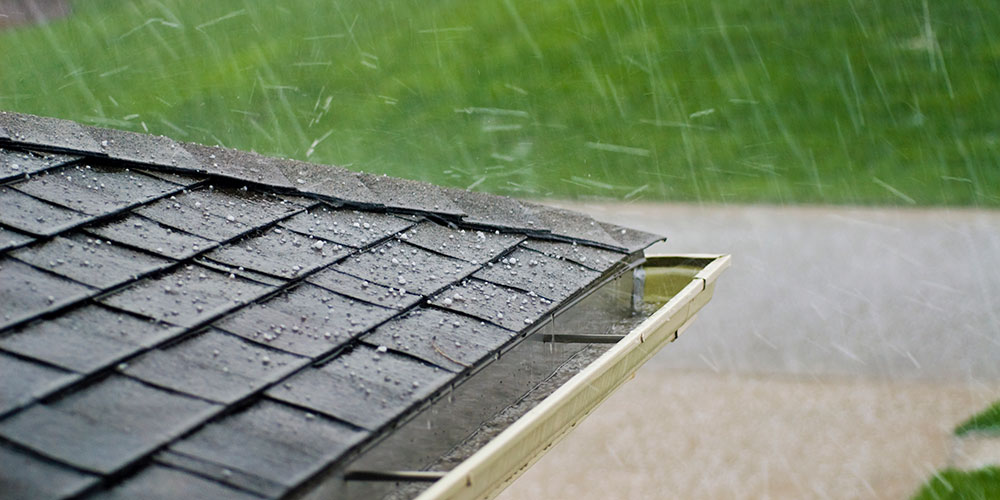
point(364, 387)
point(23, 381)
point(105, 426)
point(500, 305)
point(143, 148)
point(35, 216)
point(328, 180)
point(594, 258)
point(87, 338)
point(357, 288)
point(476, 247)
point(193, 220)
point(184, 180)
point(90, 261)
point(51, 132)
point(15, 164)
point(308, 320)
point(157, 482)
point(10, 239)
point(402, 265)
point(23, 475)
point(631, 239)
point(149, 235)
point(240, 165)
point(95, 190)
point(451, 341)
point(274, 441)
point(215, 366)
point(187, 296)
point(573, 225)
point(27, 291)
point(531, 271)
point(497, 211)
point(279, 252)
point(347, 227)
point(411, 195)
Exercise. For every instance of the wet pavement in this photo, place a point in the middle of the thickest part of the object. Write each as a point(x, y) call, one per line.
point(837, 355)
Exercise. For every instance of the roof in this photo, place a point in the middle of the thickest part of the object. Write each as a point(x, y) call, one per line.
point(183, 318)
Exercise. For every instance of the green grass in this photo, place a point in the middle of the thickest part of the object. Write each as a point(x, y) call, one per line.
point(787, 101)
point(987, 421)
point(952, 484)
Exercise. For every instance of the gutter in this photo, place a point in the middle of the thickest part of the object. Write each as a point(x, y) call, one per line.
point(487, 472)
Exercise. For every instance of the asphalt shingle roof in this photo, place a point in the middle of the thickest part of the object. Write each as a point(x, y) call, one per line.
point(177, 317)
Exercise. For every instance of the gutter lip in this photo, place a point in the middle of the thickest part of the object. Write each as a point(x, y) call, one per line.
point(497, 464)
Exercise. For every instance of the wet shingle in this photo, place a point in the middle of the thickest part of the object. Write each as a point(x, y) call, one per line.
point(448, 340)
point(573, 225)
point(10, 239)
point(276, 442)
point(308, 320)
point(631, 239)
point(23, 475)
point(328, 180)
point(143, 148)
point(215, 366)
point(27, 292)
point(496, 211)
point(170, 212)
point(170, 176)
point(15, 164)
point(105, 426)
point(240, 165)
point(405, 266)
point(87, 338)
point(252, 208)
point(149, 235)
point(473, 246)
point(95, 190)
point(23, 381)
point(594, 258)
point(90, 260)
point(157, 482)
point(187, 296)
point(509, 308)
point(44, 131)
point(531, 271)
point(279, 252)
point(35, 216)
point(410, 195)
point(364, 387)
point(347, 227)
point(360, 289)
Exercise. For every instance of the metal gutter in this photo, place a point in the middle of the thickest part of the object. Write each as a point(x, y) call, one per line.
point(486, 473)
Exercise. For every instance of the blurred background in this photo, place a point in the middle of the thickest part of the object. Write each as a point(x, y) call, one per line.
point(847, 152)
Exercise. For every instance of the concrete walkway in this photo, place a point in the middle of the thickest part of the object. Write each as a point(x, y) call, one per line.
point(838, 354)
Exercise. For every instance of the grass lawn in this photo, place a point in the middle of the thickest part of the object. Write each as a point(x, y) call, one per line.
point(951, 484)
point(987, 421)
point(787, 101)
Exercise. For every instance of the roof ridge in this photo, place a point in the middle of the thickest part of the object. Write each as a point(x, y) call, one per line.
point(328, 182)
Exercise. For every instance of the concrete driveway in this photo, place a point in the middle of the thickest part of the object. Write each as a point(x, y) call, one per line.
point(839, 352)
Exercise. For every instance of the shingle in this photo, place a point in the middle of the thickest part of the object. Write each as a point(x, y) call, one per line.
point(402, 265)
point(215, 366)
point(573, 225)
point(87, 338)
point(329, 181)
point(279, 252)
point(240, 165)
point(347, 227)
point(107, 425)
point(252, 208)
point(282, 444)
point(157, 482)
point(496, 211)
point(15, 164)
point(27, 291)
point(446, 339)
point(473, 246)
point(193, 220)
point(187, 296)
point(35, 216)
point(23, 475)
point(360, 289)
point(24, 381)
point(594, 258)
point(631, 239)
point(410, 195)
point(364, 387)
point(531, 271)
point(90, 261)
point(143, 148)
point(51, 132)
point(308, 320)
point(10, 239)
point(149, 235)
point(171, 176)
point(95, 190)
point(509, 308)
